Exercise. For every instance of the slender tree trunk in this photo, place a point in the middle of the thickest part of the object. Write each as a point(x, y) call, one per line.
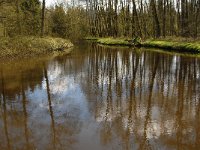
point(156, 20)
point(183, 18)
point(43, 15)
point(18, 18)
point(197, 17)
point(127, 19)
point(164, 18)
point(116, 19)
point(136, 19)
point(171, 17)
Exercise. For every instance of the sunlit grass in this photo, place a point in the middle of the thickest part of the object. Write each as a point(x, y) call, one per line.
point(113, 41)
point(91, 38)
point(174, 46)
point(31, 46)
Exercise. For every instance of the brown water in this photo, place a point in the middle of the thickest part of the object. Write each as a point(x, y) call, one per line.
point(101, 98)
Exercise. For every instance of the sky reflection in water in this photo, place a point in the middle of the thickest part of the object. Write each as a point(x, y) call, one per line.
point(101, 98)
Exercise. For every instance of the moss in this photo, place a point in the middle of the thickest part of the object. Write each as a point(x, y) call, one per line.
point(20, 47)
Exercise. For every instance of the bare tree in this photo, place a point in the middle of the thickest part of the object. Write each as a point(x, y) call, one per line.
point(43, 17)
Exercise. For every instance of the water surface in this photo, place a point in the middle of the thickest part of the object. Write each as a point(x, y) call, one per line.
point(100, 98)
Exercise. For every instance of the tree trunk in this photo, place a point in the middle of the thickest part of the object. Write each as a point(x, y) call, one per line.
point(197, 17)
point(164, 18)
point(43, 13)
point(18, 18)
point(155, 17)
point(136, 19)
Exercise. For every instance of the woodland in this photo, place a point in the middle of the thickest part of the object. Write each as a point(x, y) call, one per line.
point(77, 19)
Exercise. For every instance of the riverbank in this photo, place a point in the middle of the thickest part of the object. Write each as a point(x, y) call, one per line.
point(167, 45)
point(26, 47)
point(181, 47)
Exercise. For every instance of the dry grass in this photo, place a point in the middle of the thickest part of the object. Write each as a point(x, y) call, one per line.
point(31, 46)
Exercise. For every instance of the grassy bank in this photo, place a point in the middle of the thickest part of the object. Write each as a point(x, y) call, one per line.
point(21, 47)
point(112, 41)
point(182, 47)
point(167, 45)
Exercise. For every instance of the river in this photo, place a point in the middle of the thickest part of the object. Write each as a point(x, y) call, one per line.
point(101, 98)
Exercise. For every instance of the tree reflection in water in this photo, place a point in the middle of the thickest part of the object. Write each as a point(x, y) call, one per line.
point(153, 97)
point(118, 98)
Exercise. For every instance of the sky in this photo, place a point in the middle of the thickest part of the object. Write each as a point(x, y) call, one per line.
point(51, 2)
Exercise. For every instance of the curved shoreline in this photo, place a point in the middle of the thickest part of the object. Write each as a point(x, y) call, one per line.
point(169, 46)
point(30, 47)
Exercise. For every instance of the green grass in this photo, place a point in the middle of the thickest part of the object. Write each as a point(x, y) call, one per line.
point(91, 38)
point(109, 41)
point(113, 41)
point(20, 47)
point(164, 44)
point(182, 47)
